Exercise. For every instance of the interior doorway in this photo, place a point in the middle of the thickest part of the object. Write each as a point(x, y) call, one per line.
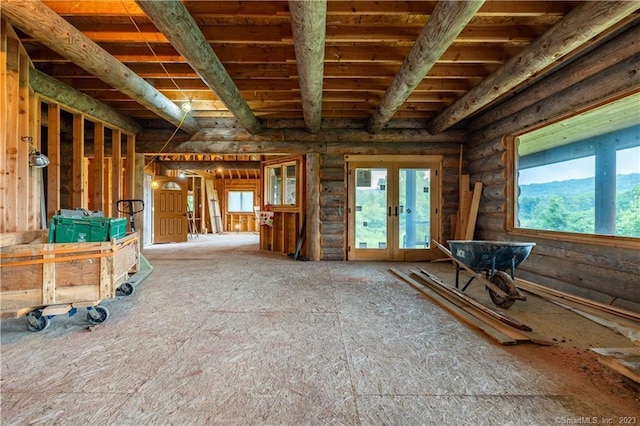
point(394, 207)
point(169, 211)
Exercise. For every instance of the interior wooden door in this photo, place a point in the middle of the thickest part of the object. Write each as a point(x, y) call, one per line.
point(170, 212)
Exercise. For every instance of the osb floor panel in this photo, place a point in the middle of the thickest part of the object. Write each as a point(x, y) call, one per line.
point(221, 333)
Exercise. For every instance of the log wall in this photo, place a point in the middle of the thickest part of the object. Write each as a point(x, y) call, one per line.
point(332, 207)
point(592, 268)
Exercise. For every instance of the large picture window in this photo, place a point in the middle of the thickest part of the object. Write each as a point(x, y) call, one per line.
point(582, 175)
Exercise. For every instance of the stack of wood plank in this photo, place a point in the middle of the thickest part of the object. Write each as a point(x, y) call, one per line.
point(498, 326)
point(621, 320)
point(463, 225)
point(625, 361)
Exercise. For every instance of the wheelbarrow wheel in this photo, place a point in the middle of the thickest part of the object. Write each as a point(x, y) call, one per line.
point(36, 321)
point(504, 282)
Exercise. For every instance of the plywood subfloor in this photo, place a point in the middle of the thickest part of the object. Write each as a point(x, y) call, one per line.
point(223, 333)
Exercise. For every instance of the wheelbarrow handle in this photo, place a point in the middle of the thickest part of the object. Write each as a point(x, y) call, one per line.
point(129, 206)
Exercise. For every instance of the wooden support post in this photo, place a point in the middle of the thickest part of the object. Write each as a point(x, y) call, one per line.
point(98, 170)
point(605, 191)
point(79, 198)
point(312, 208)
point(130, 168)
point(116, 170)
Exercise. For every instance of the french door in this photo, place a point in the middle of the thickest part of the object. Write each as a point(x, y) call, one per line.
point(394, 206)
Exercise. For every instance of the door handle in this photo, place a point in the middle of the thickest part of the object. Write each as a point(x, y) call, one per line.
point(389, 211)
point(396, 210)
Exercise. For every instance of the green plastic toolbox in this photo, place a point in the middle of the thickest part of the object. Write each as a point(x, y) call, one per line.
point(77, 229)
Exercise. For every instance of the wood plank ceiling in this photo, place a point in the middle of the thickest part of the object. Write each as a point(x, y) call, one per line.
point(477, 50)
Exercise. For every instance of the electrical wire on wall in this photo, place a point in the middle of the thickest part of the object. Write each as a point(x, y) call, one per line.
point(186, 106)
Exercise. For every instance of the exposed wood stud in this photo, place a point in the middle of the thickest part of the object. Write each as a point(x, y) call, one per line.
point(53, 152)
point(116, 170)
point(130, 169)
point(98, 167)
point(79, 198)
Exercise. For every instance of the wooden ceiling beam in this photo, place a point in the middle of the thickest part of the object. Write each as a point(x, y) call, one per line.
point(174, 20)
point(585, 21)
point(308, 23)
point(37, 20)
point(67, 95)
point(445, 24)
point(213, 165)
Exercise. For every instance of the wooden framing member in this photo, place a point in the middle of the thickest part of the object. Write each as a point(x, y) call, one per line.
point(130, 168)
point(98, 167)
point(79, 197)
point(312, 209)
point(116, 169)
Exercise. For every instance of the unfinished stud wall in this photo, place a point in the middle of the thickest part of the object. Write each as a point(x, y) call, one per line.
point(19, 183)
point(599, 271)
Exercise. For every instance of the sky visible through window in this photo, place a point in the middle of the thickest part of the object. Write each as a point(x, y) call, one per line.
point(627, 162)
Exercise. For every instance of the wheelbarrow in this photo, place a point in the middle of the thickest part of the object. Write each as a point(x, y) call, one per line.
point(488, 262)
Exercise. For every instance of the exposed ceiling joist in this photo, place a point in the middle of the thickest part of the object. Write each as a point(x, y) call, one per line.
point(175, 22)
point(308, 23)
point(442, 28)
point(40, 22)
point(587, 20)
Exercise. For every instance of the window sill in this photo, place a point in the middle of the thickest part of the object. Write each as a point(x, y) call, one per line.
point(600, 240)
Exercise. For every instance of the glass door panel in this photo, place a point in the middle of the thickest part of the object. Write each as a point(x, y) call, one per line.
point(370, 223)
point(414, 208)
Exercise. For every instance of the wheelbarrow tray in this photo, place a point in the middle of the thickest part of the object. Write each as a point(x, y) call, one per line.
point(481, 255)
point(477, 275)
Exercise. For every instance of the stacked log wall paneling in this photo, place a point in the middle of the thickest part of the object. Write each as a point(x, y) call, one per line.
point(19, 192)
point(332, 207)
point(587, 267)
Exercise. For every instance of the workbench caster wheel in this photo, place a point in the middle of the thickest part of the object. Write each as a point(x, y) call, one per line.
point(97, 314)
point(36, 321)
point(125, 289)
point(504, 282)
